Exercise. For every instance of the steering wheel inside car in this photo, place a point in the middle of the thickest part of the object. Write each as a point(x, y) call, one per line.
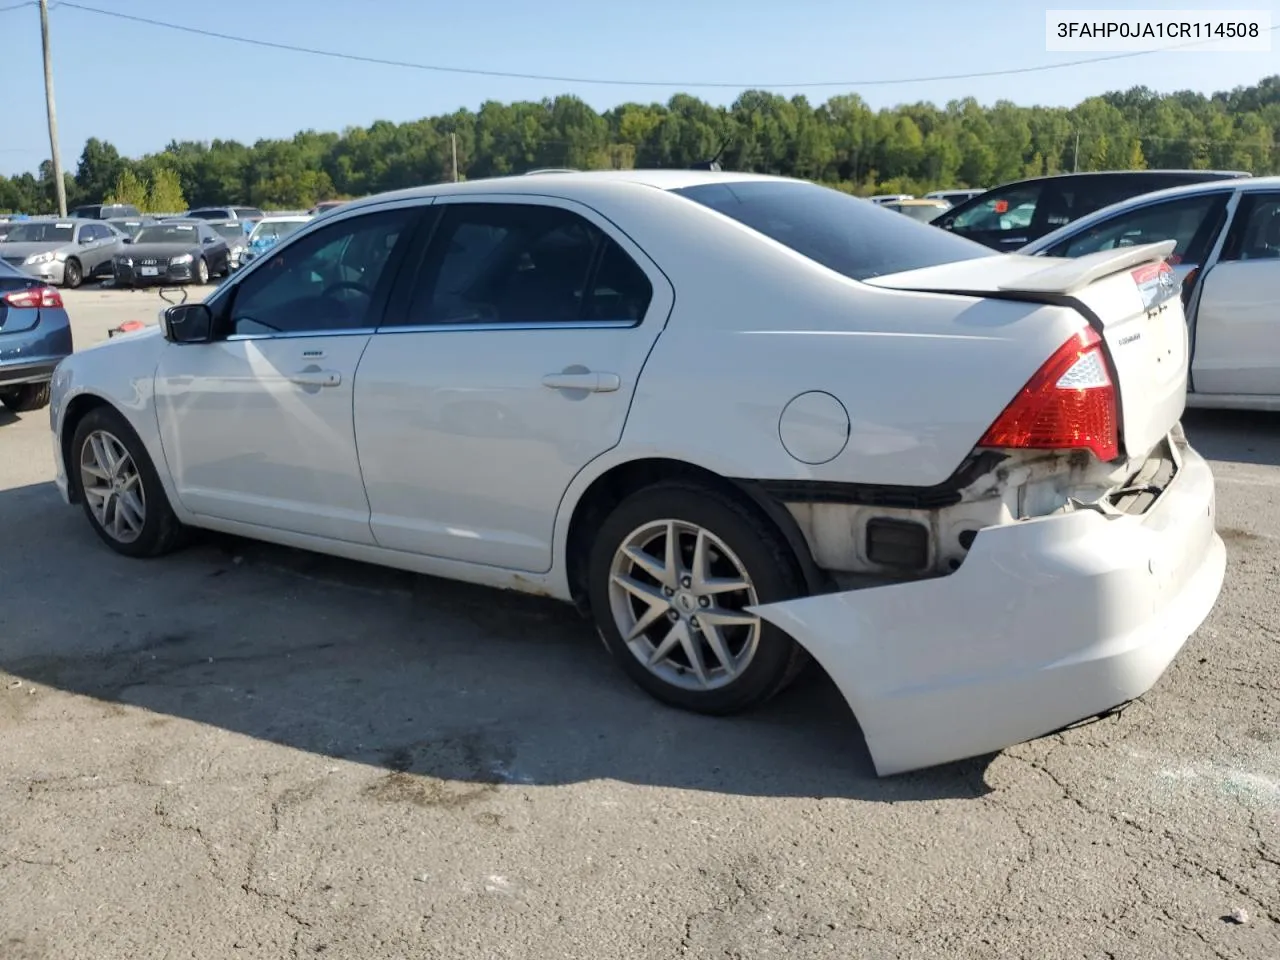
point(333, 288)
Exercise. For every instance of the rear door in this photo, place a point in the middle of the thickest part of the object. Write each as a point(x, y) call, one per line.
point(1237, 312)
point(504, 367)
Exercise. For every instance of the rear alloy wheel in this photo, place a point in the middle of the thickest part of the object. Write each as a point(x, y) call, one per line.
point(72, 274)
point(121, 492)
point(673, 571)
point(202, 271)
point(28, 397)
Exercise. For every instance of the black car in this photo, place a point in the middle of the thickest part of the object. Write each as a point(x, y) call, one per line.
point(173, 251)
point(1014, 214)
point(105, 211)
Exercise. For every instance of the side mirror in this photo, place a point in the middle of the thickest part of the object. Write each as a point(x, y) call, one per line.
point(208, 240)
point(188, 323)
point(85, 241)
point(126, 239)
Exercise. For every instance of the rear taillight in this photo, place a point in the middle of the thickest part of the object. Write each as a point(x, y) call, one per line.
point(1070, 404)
point(33, 298)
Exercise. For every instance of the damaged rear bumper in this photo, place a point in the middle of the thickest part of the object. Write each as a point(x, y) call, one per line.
point(1047, 622)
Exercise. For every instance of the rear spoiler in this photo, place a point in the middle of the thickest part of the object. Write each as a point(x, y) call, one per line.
point(1066, 277)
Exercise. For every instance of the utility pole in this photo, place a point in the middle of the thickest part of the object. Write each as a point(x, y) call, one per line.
point(453, 145)
point(1075, 162)
point(58, 182)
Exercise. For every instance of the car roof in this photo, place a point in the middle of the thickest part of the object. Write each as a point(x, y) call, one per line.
point(1244, 185)
point(287, 218)
point(565, 184)
point(918, 202)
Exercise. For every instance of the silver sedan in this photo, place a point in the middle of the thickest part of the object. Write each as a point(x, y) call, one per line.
point(62, 252)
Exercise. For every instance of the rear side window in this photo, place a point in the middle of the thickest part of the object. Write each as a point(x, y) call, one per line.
point(845, 234)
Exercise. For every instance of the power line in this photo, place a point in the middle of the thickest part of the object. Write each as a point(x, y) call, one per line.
point(614, 82)
point(18, 6)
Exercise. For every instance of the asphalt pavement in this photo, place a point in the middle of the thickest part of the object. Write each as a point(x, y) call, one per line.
point(241, 751)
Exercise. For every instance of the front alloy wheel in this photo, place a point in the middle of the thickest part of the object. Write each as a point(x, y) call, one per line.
point(119, 488)
point(112, 487)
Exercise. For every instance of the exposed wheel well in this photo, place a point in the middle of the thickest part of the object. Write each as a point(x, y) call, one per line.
point(612, 487)
point(77, 410)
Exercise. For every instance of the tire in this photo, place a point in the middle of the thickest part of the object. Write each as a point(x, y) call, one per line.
point(202, 272)
point(28, 397)
point(160, 531)
point(764, 658)
point(72, 274)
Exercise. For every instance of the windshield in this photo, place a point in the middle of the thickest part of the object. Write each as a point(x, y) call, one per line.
point(229, 231)
point(41, 233)
point(129, 228)
point(274, 231)
point(167, 233)
point(843, 233)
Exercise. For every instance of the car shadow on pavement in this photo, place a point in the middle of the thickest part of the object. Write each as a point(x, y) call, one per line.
point(411, 674)
point(7, 417)
point(1239, 436)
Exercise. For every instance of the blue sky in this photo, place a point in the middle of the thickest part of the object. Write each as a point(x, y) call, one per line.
point(139, 86)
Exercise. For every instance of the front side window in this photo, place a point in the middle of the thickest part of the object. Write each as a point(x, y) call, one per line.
point(1255, 232)
point(845, 234)
point(1189, 220)
point(525, 263)
point(326, 281)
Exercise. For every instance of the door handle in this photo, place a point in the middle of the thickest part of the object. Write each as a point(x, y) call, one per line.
point(316, 378)
point(592, 382)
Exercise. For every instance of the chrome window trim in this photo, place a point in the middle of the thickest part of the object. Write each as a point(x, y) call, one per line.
point(301, 334)
point(514, 325)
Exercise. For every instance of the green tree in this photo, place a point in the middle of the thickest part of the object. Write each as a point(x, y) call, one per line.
point(99, 170)
point(165, 195)
point(128, 189)
point(913, 147)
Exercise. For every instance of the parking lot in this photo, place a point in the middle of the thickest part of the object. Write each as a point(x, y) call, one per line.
point(245, 751)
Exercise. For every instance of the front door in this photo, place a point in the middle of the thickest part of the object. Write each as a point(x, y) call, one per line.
point(257, 425)
point(510, 367)
point(1237, 319)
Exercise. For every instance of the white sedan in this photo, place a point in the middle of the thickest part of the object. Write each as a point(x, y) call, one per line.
point(740, 421)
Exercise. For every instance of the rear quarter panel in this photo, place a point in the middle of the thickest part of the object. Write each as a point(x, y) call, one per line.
point(755, 325)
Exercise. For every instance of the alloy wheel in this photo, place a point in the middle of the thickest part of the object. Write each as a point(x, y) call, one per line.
point(679, 595)
point(112, 486)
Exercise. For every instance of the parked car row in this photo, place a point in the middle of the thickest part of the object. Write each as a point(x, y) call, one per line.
point(95, 243)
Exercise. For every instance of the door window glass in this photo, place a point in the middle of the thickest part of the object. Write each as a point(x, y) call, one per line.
point(1186, 220)
point(1255, 234)
point(1011, 209)
point(328, 280)
point(524, 263)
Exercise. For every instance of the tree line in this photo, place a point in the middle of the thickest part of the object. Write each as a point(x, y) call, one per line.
point(911, 148)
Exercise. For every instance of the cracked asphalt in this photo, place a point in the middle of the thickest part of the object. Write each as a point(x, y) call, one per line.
point(247, 752)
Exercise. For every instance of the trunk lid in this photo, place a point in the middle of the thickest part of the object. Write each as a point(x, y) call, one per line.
point(1131, 298)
